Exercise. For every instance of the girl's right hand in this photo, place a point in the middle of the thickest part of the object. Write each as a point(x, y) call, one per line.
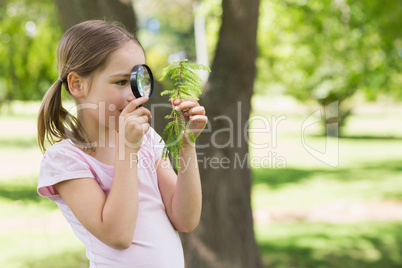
point(133, 122)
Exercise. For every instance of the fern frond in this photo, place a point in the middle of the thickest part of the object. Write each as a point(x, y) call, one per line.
point(168, 92)
point(197, 67)
point(187, 85)
point(167, 71)
point(195, 81)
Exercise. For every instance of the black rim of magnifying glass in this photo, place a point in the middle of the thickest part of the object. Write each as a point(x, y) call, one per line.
point(133, 80)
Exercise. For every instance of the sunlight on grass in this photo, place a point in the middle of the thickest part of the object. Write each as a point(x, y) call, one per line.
point(369, 172)
point(39, 248)
point(369, 244)
point(18, 197)
point(307, 188)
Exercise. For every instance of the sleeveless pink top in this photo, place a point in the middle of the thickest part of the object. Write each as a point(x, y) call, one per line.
point(155, 242)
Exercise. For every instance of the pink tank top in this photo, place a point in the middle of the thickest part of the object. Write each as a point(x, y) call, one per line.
point(155, 242)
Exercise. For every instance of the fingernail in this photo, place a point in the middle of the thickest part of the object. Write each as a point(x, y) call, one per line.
point(176, 102)
point(177, 108)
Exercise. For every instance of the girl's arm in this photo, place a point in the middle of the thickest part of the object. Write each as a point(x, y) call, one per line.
point(181, 193)
point(112, 218)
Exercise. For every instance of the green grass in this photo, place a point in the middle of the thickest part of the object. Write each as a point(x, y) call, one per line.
point(18, 197)
point(295, 187)
point(369, 170)
point(320, 244)
point(27, 237)
point(39, 248)
point(365, 244)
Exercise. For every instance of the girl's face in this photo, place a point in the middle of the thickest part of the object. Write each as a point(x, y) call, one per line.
point(110, 91)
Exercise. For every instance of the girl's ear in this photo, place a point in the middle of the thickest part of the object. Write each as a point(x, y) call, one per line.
point(75, 85)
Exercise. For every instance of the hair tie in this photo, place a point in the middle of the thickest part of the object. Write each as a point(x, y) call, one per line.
point(61, 80)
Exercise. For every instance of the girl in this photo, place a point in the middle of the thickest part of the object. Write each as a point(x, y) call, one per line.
point(104, 169)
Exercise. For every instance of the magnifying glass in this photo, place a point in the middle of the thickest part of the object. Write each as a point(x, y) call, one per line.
point(141, 81)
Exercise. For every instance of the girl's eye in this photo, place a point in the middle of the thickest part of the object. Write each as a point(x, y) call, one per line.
point(121, 82)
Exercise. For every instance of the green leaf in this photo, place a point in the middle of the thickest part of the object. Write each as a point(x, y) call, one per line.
point(196, 67)
point(191, 136)
point(187, 85)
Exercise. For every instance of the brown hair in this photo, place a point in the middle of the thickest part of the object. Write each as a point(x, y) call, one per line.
point(83, 49)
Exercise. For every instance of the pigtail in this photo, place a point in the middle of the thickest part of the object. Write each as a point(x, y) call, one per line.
point(55, 123)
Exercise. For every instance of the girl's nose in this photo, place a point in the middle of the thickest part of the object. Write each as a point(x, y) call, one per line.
point(130, 96)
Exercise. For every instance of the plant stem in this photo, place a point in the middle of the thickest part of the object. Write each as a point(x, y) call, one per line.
point(178, 87)
point(178, 91)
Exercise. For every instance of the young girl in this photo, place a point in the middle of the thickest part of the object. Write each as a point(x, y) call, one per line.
point(104, 168)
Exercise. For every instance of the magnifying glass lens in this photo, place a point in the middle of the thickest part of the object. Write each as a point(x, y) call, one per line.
point(142, 83)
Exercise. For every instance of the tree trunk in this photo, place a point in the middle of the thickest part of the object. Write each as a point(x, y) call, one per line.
point(225, 236)
point(76, 11)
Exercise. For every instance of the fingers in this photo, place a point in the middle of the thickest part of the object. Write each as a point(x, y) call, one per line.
point(138, 113)
point(132, 106)
point(199, 118)
point(185, 104)
point(142, 111)
point(194, 115)
point(133, 121)
point(139, 119)
point(199, 110)
point(196, 124)
point(189, 107)
point(134, 128)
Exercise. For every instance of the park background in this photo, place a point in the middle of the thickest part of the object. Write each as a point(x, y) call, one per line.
point(310, 54)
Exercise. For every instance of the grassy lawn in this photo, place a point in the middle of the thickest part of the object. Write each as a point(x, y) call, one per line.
point(322, 216)
point(292, 238)
point(313, 214)
point(33, 233)
point(301, 244)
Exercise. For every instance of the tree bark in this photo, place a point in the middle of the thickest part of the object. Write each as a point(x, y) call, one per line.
point(75, 11)
point(225, 236)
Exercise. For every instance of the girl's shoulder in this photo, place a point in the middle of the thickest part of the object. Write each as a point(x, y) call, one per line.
point(65, 157)
point(62, 148)
point(62, 161)
point(63, 152)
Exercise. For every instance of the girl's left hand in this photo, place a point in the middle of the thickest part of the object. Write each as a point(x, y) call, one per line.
point(194, 115)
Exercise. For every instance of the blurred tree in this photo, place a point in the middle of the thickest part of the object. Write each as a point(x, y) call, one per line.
point(165, 29)
point(81, 10)
point(328, 50)
point(29, 36)
point(225, 236)
point(167, 26)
